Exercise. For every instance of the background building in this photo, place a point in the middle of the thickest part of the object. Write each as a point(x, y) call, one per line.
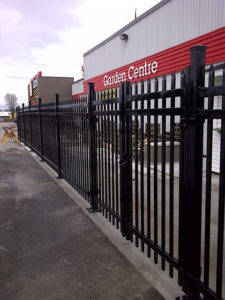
point(5, 115)
point(45, 87)
point(78, 87)
point(162, 35)
point(158, 43)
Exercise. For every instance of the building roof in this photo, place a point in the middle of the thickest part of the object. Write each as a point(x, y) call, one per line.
point(57, 77)
point(148, 12)
point(78, 80)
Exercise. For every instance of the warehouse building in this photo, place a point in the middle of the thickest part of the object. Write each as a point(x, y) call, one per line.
point(157, 43)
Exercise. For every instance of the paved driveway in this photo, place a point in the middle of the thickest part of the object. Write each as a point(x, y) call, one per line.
point(49, 249)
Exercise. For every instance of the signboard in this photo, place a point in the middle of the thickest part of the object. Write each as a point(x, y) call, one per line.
point(131, 73)
point(33, 85)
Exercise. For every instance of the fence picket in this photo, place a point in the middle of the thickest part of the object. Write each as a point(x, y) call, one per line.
point(128, 170)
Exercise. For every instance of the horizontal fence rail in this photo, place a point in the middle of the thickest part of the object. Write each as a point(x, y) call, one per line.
point(142, 155)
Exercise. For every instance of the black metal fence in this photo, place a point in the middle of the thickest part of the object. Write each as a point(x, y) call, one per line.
point(136, 154)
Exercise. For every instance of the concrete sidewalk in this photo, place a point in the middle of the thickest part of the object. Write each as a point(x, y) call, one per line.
point(49, 248)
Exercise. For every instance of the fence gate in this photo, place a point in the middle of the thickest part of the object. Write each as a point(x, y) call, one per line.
point(136, 154)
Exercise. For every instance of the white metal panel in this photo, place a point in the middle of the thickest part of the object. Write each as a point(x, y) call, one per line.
point(78, 87)
point(175, 22)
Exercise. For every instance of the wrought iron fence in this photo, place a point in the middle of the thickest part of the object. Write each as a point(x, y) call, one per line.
point(136, 154)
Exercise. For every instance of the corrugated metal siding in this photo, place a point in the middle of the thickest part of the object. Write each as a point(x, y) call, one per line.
point(78, 87)
point(174, 23)
point(175, 58)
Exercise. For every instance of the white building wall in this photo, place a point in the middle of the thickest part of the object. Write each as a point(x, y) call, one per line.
point(175, 22)
point(78, 87)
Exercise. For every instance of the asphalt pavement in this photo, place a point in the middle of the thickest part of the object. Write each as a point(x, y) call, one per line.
point(49, 248)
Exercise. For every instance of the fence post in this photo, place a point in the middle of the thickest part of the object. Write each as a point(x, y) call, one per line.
point(24, 128)
point(58, 136)
point(40, 128)
point(191, 176)
point(31, 137)
point(18, 124)
point(125, 161)
point(92, 150)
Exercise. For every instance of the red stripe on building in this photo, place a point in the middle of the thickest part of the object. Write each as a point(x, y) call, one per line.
point(173, 59)
point(75, 96)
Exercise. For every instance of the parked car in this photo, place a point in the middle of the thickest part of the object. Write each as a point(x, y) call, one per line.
point(1, 120)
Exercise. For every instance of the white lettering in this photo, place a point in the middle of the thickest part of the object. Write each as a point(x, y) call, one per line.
point(146, 69)
point(136, 71)
point(154, 67)
point(116, 78)
point(129, 75)
point(149, 68)
point(105, 80)
point(141, 71)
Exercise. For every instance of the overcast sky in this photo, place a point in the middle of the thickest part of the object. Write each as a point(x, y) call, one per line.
point(52, 35)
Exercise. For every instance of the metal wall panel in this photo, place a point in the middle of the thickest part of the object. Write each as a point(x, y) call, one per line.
point(78, 87)
point(175, 22)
